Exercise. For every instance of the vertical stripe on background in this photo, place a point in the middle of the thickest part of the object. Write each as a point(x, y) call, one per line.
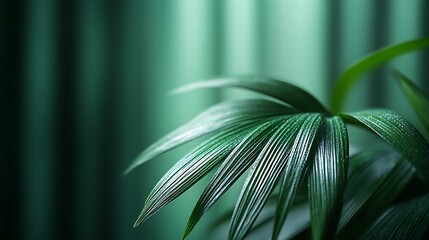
point(11, 103)
point(217, 27)
point(241, 37)
point(332, 54)
point(39, 88)
point(109, 142)
point(65, 145)
point(132, 75)
point(91, 56)
point(295, 44)
point(379, 38)
point(241, 53)
point(355, 43)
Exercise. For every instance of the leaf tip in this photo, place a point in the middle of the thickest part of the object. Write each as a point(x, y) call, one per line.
point(185, 234)
point(143, 216)
point(175, 91)
point(142, 158)
point(129, 168)
point(137, 222)
point(184, 89)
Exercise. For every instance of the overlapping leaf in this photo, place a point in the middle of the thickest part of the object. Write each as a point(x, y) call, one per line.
point(237, 162)
point(191, 168)
point(374, 183)
point(418, 99)
point(283, 91)
point(398, 132)
point(405, 221)
point(217, 117)
point(295, 169)
point(327, 179)
point(266, 171)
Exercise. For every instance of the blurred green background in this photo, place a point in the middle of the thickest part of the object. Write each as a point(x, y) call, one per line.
point(84, 89)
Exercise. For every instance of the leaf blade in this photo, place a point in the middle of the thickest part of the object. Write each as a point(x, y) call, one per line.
point(281, 90)
point(418, 99)
point(327, 179)
point(295, 169)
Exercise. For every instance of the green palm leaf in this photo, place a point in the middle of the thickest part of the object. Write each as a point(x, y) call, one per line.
point(418, 99)
point(237, 162)
point(405, 221)
point(399, 133)
point(328, 178)
point(283, 91)
point(376, 180)
point(265, 173)
point(190, 169)
point(352, 74)
point(295, 169)
point(217, 117)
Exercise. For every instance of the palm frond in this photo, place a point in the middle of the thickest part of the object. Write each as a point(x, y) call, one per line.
point(286, 143)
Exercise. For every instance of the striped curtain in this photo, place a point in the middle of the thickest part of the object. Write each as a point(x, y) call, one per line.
point(84, 89)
